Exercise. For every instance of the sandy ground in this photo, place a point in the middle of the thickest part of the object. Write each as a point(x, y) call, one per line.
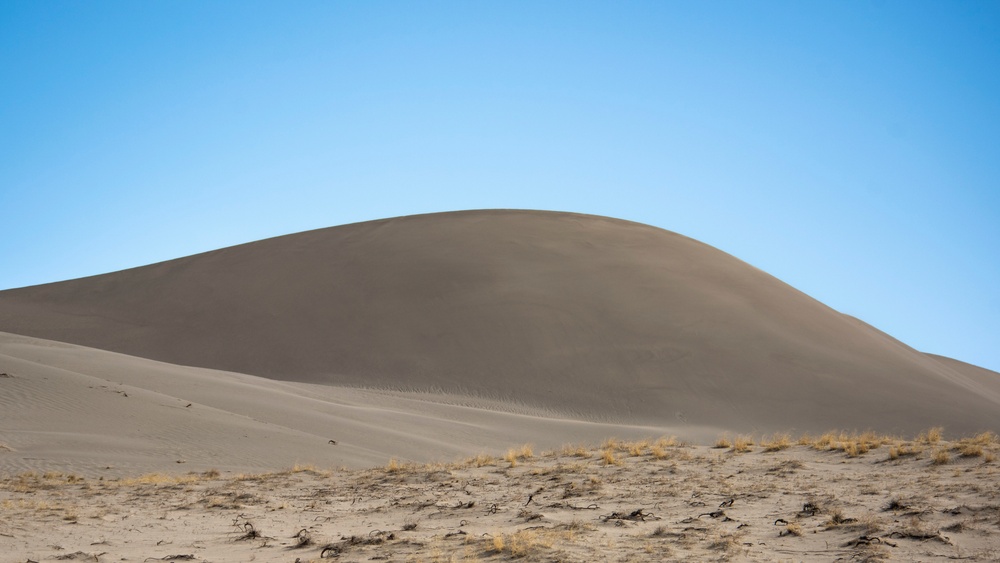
point(827, 500)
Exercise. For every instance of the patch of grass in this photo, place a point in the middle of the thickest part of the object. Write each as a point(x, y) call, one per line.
point(396, 466)
point(742, 444)
point(667, 442)
point(726, 543)
point(931, 435)
point(636, 449)
point(528, 542)
point(514, 455)
point(940, 457)
point(852, 444)
point(723, 441)
point(608, 458)
point(837, 519)
point(161, 479)
point(897, 451)
point(969, 450)
point(776, 443)
point(575, 451)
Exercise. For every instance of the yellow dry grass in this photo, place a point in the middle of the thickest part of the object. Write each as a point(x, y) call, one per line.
point(742, 444)
point(521, 453)
point(776, 443)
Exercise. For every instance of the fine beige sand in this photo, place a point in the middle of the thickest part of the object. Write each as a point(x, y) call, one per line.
point(96, 413)
point(580, 316)
point(922, 500)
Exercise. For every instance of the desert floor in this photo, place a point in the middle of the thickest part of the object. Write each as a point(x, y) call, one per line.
point(837, 497)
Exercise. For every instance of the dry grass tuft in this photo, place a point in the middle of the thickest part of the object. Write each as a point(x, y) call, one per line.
point(608, 458)
point(527, 542)
point(742, 444)
point(776, 443)
point(726, 543)
point(723, 441)
point(969, 450)
point(636, 449)
point(514, 455)
point(931, 436)
point(480, 460)
point(940, 457)
point(161, 479)
point(575, 451)
point(396, 466)
point(667, 442)
point(852, 444)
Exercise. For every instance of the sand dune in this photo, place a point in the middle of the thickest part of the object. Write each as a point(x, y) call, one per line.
point(578, 316)
point(437, 337)
point(91, 412)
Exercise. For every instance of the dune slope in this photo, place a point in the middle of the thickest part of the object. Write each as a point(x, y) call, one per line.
point(580, 315)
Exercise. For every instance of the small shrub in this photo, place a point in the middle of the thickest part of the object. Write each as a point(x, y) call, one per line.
point(742, 444)
point(665, 442)
point(941, 457)
point(608, 457)
point(969, 450)
point(575, 451)
point(515, 455)
point(480, 460)
point(931, 436)
point(776, 443)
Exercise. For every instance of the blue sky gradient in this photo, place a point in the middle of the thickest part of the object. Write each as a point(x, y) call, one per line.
point(852, 149)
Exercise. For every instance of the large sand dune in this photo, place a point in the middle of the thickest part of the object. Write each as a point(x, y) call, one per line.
point(570, 315)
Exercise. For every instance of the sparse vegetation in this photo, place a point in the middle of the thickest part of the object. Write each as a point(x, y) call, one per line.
point(776, 443)
point(931, 436)
point(522, 453)
point(642, 498)
point(793, 529)
point(941, 457)
point(742, 444)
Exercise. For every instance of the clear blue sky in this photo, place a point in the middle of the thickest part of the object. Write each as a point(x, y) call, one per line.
point(852, 149)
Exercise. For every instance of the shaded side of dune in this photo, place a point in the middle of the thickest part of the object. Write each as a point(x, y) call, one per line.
point(582, 315)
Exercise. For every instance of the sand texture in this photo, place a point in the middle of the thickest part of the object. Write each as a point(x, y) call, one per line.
point(639, 501)
point(582, 316)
